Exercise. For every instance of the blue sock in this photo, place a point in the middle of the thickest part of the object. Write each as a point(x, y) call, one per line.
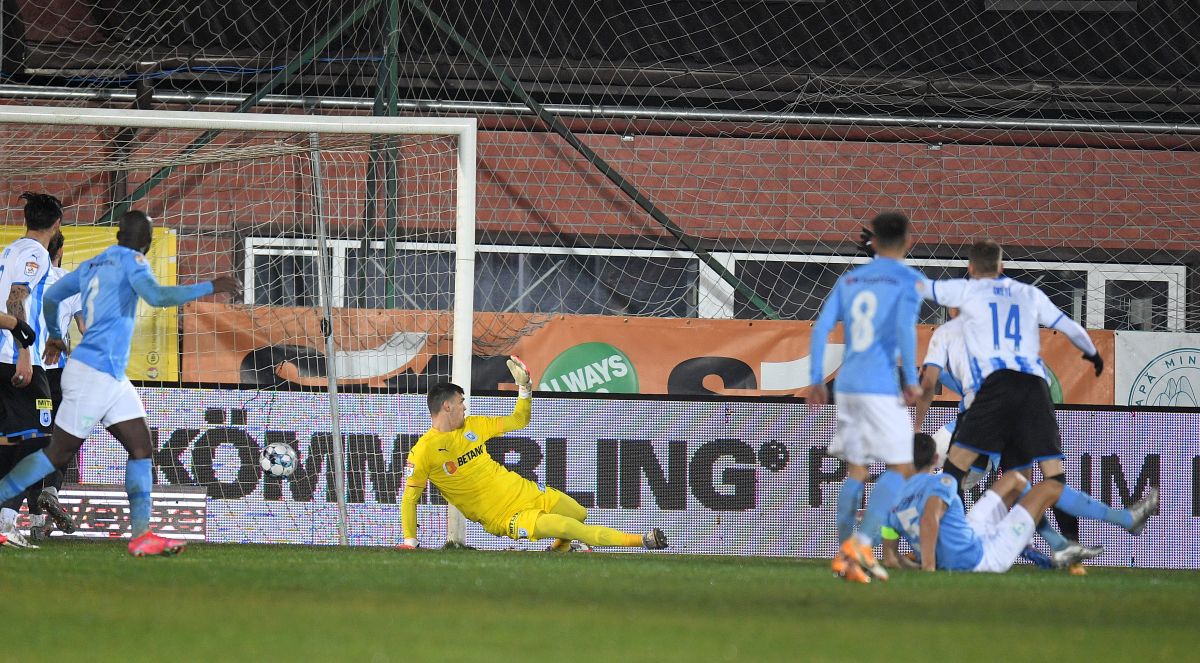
point(1045, 530)
point(883, 498)
point(138, 480)
point(30, 470)
point(847, 507)
point(1078, 503)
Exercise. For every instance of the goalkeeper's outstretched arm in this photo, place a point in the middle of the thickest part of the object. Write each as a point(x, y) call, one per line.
point(523, 407)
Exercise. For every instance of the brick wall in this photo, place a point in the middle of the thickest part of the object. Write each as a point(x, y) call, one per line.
point(773, 190)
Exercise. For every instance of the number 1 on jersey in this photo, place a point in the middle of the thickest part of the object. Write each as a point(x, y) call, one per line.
point(1012, 325)
point(89, 301)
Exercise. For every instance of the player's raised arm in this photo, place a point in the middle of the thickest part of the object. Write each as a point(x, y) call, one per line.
point(831, 314)
point(490, 427)
point(1051, 317)
point(148, 288)
point(947, 292)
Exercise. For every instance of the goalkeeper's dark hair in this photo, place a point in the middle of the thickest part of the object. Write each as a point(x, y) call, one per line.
point(42, 210)
point(924, 449)
point(985, 256)
point(56, 244)
point(891, 230)
point(439, 394)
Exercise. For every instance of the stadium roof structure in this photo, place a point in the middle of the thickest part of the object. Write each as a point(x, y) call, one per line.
point(1115, 60)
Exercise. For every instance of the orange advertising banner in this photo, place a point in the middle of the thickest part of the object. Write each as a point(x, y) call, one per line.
point(405, 350)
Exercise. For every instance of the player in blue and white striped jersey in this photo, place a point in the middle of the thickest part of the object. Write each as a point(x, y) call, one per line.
point(25, 405)
point(1012, 413)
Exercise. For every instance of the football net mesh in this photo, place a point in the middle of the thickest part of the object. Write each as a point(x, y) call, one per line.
point(768, 132)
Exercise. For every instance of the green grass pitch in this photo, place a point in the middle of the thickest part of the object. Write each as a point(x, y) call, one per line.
point(91, 601)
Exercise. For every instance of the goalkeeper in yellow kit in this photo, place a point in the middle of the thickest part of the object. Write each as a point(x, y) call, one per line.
point(453, 455)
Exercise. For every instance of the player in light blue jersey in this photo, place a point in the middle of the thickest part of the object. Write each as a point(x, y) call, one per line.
point(929, 514)
point(95, 389)
point(877, 304)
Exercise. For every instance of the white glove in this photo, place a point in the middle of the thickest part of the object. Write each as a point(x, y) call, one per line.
point(520, 373)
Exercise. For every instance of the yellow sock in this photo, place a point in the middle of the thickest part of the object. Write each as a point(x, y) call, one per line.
point(562, 527)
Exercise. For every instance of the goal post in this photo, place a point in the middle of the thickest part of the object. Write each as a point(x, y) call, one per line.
point(259, 163)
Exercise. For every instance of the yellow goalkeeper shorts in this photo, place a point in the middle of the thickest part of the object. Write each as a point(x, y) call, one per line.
point(520, 525)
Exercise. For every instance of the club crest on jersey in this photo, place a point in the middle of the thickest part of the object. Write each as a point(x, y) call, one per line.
point(409, 469)
point(450, 467)
point(947, 480)
point(31, 268)
point(472, 436)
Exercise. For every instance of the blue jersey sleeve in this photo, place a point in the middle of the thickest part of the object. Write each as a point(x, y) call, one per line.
point(906, 332)
point(63, 289)
point(146, 286)
point(831, 313)
point(943, 488)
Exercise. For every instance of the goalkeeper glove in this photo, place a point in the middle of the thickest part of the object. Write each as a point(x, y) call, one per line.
point(520, 373)
point(409, 544)
point(22, 333)
point(866, 242)
point(1097, 361)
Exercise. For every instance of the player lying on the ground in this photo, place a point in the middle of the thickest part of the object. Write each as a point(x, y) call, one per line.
point(929, 515)
point(95, 389)
point(453, 455)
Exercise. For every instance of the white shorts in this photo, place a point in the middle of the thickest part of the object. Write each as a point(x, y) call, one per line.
point(1004, 533)
point(92, 397)
point(872, 427)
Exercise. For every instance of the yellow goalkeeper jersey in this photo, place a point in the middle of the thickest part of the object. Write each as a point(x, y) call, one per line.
point(458, 463)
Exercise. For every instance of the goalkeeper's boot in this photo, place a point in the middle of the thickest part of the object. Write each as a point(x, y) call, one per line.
point(559, 545)
point(150, 544)
point(62, 520)
point(861, 554)
point(1077, 569)
point(654, 540)
point(1142, 511)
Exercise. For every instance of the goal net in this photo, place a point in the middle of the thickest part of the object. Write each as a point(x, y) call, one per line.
point(727, 155)
point(333, 297)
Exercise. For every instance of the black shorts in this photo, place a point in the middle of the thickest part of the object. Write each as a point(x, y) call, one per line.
point(54, 377)
point(1013, 416)
point(27, 411)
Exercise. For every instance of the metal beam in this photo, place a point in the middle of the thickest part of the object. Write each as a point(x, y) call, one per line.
point(207, 137)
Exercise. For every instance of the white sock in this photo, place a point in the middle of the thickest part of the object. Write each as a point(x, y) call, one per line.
point(37, 521)
point(8, 519)
point(50, 489)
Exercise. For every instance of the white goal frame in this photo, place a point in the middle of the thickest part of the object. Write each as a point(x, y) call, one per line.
point(464, 130)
